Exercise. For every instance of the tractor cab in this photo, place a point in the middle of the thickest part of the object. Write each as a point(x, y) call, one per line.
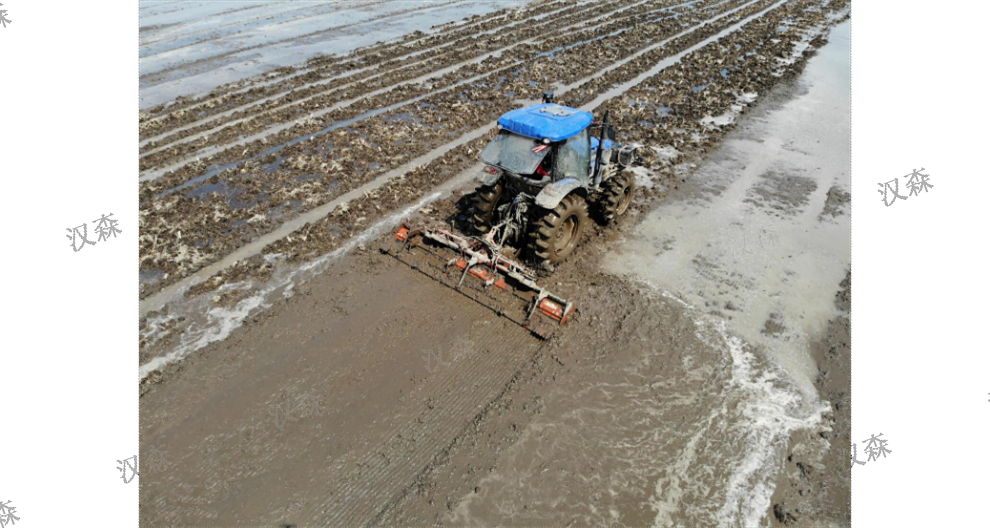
point(543, 143)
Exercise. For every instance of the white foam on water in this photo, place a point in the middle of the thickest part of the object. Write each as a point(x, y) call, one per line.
point(221, 321)
point(667, 497)
point(773, 411)
point(766, 408)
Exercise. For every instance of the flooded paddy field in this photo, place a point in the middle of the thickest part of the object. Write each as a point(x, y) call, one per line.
point(290, 374)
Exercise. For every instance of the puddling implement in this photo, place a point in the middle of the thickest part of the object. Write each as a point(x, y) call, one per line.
point(495, 281)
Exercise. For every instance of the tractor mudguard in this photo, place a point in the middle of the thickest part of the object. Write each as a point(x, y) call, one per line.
point(552, 194)
point(627, 155)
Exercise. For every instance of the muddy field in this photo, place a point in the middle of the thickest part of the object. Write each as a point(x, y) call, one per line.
point(292, 374)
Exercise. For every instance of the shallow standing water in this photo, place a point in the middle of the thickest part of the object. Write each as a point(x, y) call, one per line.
point(747, 237)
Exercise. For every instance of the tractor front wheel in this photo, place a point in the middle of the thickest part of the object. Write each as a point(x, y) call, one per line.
point(555, 234)
point(485, 201)
point(616, 196)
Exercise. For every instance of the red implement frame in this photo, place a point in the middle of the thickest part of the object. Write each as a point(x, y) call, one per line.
point(480, 258)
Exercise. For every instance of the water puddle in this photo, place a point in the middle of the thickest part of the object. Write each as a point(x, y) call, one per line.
point(404, 117)
point(274, 166)
point(744, 238)
point(307, 177)
point(150, 276)
point(229, 192)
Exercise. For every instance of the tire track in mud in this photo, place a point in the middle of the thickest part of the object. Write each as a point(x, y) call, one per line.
point(178, 140)
point(578, 425)
point(461, 402)
point(487, 127)
point(409, 46)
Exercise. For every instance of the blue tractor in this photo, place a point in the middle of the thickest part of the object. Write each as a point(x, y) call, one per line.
point(545, 171)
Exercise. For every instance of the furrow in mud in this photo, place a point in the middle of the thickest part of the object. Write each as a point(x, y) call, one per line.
point(167, 116)
point(236, 204)
point(457, 78)
point(316, 99)
point(476, 74)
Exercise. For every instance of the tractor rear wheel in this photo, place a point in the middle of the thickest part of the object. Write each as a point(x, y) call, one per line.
point(616, 196)
point(555, 234)
point(485, 201)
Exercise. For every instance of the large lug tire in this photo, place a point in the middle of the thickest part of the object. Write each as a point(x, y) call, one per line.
point(486, 199)
point(554, 235)
point(617, 194)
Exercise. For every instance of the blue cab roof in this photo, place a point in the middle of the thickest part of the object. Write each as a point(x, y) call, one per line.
point(546, 120)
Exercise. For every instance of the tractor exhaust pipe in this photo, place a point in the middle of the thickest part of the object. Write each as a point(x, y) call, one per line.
point(598, 153)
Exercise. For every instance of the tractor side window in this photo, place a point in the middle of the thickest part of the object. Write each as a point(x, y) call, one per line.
point(574, 157)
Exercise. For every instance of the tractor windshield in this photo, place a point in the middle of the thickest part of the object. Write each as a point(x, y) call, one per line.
point(514, 153)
